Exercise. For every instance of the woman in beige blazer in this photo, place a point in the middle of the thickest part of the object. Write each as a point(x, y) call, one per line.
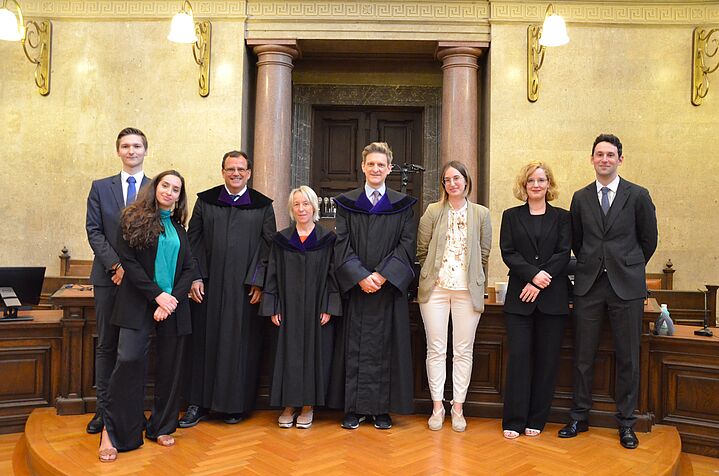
point(453, 244)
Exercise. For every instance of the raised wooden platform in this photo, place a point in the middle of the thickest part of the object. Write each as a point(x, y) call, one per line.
point(58, 445)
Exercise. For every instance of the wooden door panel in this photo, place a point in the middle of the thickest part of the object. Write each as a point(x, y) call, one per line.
point(340, 134)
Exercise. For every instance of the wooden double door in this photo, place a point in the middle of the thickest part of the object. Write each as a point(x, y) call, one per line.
point(340, 134)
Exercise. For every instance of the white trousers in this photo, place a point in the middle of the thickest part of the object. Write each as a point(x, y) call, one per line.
point(435, 314)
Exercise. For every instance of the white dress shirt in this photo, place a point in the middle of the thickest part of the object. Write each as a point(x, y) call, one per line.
point(368, 191)
point(138, 181)
point(612, 186)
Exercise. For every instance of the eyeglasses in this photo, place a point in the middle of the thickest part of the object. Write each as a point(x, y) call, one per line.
point(456, 179)
point(238, 170)
point(541, 181)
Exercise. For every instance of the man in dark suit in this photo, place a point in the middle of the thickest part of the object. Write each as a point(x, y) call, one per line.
point(108, 196)
point(614, 234)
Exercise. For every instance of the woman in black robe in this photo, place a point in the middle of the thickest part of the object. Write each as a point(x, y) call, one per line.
point(300, 296)
point(155, 254)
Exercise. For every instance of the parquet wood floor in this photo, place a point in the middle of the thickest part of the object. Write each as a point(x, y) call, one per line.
point(59, 445)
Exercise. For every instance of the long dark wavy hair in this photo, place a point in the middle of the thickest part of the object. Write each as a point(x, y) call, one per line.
point(140, 221)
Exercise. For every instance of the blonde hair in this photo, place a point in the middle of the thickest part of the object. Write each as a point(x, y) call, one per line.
point(520, 184)
point(311, 196)
point(380, 148)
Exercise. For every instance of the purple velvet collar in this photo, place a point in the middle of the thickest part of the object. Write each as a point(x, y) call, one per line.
point(382, 206)
point(230, 200)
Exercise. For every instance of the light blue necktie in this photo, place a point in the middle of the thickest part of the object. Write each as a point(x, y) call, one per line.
point(605, 200)
point(131, 190)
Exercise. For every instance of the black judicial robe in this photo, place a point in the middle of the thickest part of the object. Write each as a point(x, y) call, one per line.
point(372, 367)
point(300, 284)
point(230, 245)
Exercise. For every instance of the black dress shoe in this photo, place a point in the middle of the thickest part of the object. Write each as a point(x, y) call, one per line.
point(193, 416)
point(627, 437)
point(351, 421)
point(571, 429)
point(383, 422)
point(95, 425)
point(233, 418)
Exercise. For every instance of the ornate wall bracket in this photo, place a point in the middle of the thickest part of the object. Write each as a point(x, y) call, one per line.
point(704, 61)
point(201, 52)
point(535, 59)
point(37, 46)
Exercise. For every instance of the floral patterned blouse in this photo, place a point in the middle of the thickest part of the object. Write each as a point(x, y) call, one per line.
point(453, 272)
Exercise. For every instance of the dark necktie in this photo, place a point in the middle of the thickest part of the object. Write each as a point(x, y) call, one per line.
point(131, 190)
point(375, 197)
point(605, 200)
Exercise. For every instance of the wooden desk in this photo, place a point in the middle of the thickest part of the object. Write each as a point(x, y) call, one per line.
point(78, 354)
point(684, 372)
point(30, 358)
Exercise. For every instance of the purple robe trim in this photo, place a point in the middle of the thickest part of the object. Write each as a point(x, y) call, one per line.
point(228, 199)
point(383, 205)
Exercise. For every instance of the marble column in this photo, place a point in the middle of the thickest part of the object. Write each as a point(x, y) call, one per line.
point(272, 173)
point(459, 105)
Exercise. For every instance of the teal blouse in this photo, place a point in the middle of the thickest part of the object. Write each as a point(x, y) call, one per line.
point(168, 247)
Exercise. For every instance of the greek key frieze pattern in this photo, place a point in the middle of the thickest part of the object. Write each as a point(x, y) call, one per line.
point(368, 9)
point(610, 12)
point(617, 11)
point(129, 9)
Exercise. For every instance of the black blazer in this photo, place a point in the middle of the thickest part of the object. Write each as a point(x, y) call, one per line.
point(525, 258)
point(135, 300)
point(104, 204)
point(624, 240)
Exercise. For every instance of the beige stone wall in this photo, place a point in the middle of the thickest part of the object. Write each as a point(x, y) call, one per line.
point(633, 81)
point(107, 75)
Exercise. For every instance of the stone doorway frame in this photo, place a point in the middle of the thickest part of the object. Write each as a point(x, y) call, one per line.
point(305, 96)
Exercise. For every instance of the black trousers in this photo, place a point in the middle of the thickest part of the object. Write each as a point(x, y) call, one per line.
point(534, 343)
point(124, 416)
point(625, 319)
point(107, 334)
point(194, 383)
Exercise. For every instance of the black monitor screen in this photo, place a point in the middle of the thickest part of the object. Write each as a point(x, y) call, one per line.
point(25, 281)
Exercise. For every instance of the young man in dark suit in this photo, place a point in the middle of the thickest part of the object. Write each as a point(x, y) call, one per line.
point(108, 196)
point(614, 234)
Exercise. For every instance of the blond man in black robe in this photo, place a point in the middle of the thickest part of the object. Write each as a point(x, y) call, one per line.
point(374, 257)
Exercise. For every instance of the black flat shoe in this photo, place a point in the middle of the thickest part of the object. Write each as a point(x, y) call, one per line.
point(95, 425)
point(233, 418)
point(193, 416)
point(573, 428)
point(351, 421)
point(383, 422)
point(627, 437)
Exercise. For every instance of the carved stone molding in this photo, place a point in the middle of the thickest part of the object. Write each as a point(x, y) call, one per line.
point(369, 20)
point(447, 19)
point(371, 10)
point(612, 12)
point(130, 9)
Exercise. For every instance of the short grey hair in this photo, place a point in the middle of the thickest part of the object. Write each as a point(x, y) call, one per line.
point(310, 195)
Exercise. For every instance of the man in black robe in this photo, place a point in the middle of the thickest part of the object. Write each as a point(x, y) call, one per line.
point(374, 256)
point(230, 232)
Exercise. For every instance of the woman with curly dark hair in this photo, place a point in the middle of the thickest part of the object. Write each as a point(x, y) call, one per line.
point(155, 254)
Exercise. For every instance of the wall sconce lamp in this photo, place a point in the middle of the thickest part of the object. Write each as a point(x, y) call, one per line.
point(704, 49)
point(184, 29)
point(552, 33)
point(36, 41)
